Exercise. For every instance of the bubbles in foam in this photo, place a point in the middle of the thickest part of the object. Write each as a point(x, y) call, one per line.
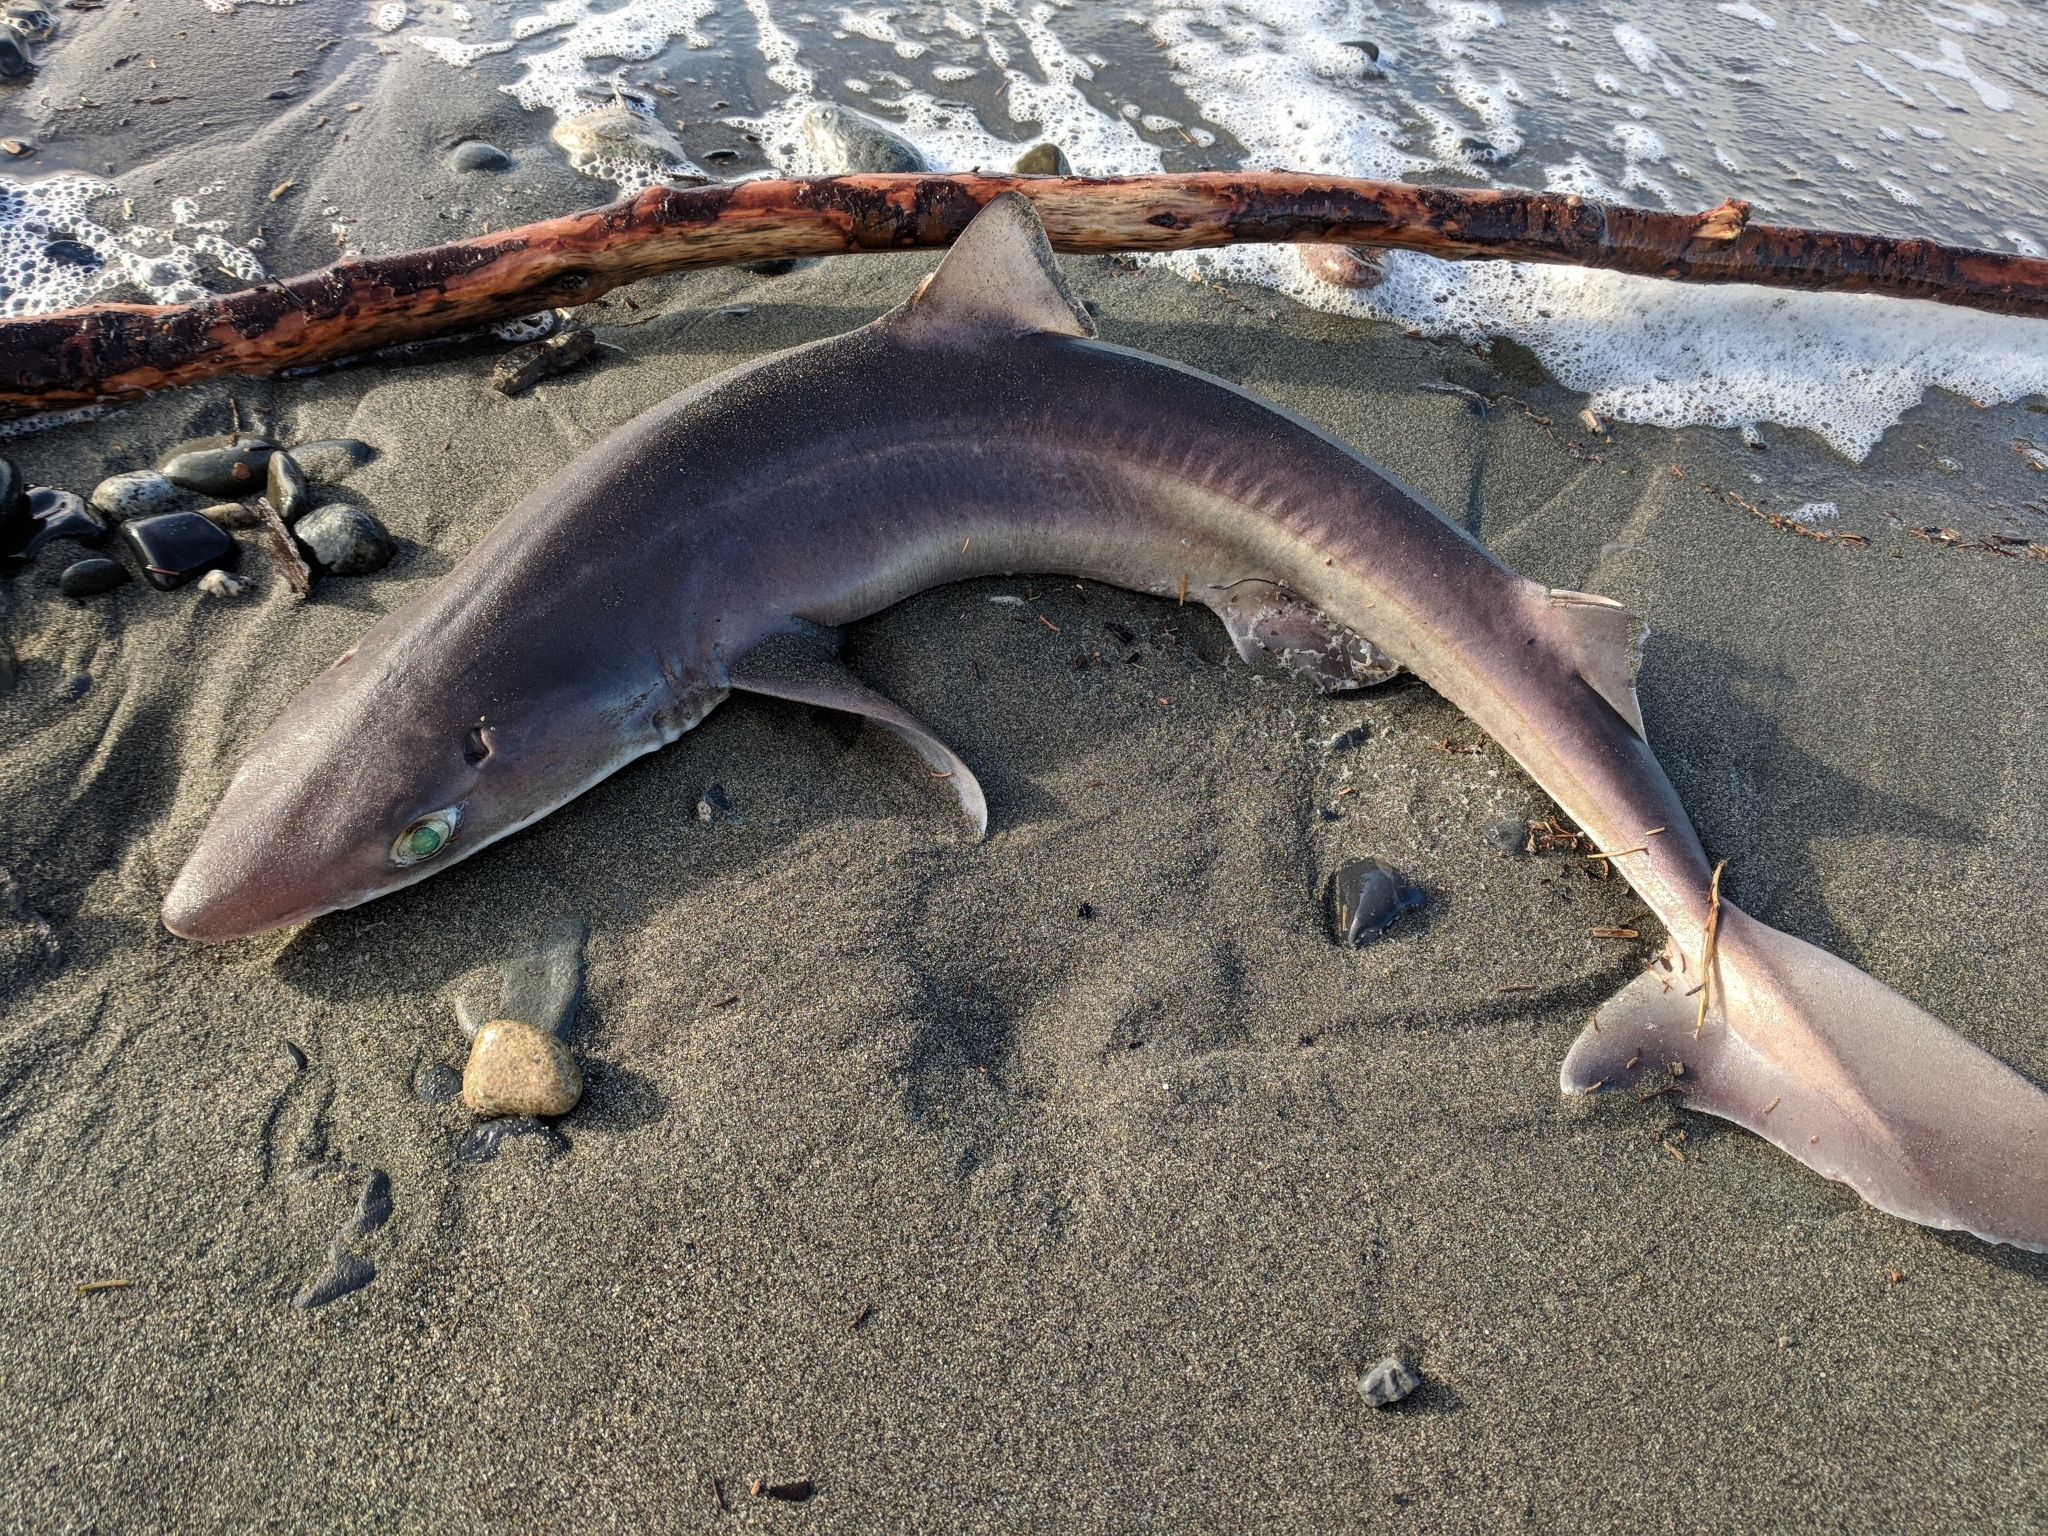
point(635, 31)
point(33, 282)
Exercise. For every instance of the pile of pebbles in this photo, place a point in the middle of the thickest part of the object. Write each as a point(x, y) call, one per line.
point(175, 543)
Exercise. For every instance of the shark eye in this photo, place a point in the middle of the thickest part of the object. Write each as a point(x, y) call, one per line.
point(425, 837)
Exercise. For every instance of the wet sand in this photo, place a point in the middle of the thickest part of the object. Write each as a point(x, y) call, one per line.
point(897, 1174)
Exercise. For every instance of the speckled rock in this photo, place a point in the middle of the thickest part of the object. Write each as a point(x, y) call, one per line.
point(516, 1069)
point(845, 141)
point(1386, 1383)
point(138, 493)
point(344, 541)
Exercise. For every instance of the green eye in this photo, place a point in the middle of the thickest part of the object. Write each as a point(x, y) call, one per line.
point(425, 838)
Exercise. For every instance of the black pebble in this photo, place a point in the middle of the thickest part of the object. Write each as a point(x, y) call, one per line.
point(481, 1144)
point(720, 156)
point(90, 576)
point(232, 472)
point(438, 1085)
point(1087, 910)
point(17, 520)
point(176, 547)
point(1370, 49)
point(60, 515)
point(14, 59)
point(295, 1056)
point(72, 253)
point(1366, 896)
point(476, 155)
point(714, 806)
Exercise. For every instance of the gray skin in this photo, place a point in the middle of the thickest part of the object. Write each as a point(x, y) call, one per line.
point(712, 543)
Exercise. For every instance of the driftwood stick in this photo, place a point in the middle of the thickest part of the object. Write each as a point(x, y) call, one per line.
point(109, 351)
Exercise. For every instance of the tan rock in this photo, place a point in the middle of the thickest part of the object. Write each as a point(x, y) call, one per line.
point(515, 1069)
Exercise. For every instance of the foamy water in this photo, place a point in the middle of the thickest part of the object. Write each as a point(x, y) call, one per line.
point(1902, 118)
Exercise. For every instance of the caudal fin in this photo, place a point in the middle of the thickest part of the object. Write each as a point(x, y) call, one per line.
point(1841, 1072)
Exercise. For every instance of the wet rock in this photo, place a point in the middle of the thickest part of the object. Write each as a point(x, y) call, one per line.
point(233, 514)
point(344, 541)
point(221, 584)
point(438, 1084)
point(345, 1273)
point(516, 1069)
point(176, 547)
point(1043, 160)
point(483, 1143)
point(476, 155)
point(88, 577)
point(331, 459)
point(285, 485)
point(848, 142)
point(616, 138)
point(138, 493)
point(1346, 266)
point(236, 470)
point(72, 253)
point(1365, 46)
point(60, 515)
point(374, 1208)
point(1510, 834)
point(31, 21)
point(523, 367)
point(1386, 1383)
point(15, 61)
point(1366, 896)
point(713, 806)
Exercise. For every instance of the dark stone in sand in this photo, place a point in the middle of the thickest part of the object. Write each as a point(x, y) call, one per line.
point(17, 523)
point(1386, 1383)
point(72, 253)
point(176, 547)
point(286, 487)
point(344, 541)
point(90, 576)
point(77, 685)
point(331, 458)
point(715, 807)
point(774, 266)
point(61, 515)
point(224, 471)
point(476, 155)
point(482, 1144)
point(523, 367)
point(438, 1085)
point(344, 1273)
point(1510, 834)
point(15, 63)
point(1366, 896)
point(295, 1056)
point(374, 1209)
point(1043, 160)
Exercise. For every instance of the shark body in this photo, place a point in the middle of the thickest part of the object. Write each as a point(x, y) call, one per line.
point(716, 542)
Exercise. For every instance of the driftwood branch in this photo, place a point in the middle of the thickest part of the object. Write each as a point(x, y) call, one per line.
point(111, 351)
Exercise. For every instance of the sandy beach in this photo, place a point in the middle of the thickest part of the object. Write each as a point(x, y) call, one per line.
point(898, 1176)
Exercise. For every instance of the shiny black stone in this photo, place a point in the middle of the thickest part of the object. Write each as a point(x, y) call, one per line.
point(60, 515)
point(72, 253)
point(232, 472)
point(1366, 896)
point(18, 523)
point(176, 547)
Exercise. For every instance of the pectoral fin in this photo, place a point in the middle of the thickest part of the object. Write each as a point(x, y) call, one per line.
point(793, 667)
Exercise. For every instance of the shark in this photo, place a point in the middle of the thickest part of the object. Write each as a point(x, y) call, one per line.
point(722, 541)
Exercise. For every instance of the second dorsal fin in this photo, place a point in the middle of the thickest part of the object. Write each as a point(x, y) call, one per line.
point(1000, 276)
point(1606, 641)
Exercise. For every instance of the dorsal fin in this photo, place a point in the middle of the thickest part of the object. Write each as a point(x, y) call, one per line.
point(999, 276)
point(1606, 641)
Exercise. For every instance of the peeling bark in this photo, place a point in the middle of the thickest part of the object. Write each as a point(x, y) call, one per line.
point(113, 351)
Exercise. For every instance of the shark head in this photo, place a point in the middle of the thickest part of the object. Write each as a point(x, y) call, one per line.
point(404, 757)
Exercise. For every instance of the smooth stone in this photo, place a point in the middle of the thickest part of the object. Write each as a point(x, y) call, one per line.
point(438, 1085)
point(138, 493)
point(286, 487)
point(176, 547)
point(1365, 46)
point(516, 1069)
point(233, 514)
point(616, 135)
point(60, 515)
point(1043, 160)
point(523, 367)
point(220, 440)
point(344, 541)
point(17, 521)
point(476, 155)
point(331, 459)
point(91, 576)
point(236, 471)
point(1386, 1383)
point(344, 1273)
point(848, 142)
point(1368, 895)
point(14, 56)
point(31, 21)
point(482, 1144)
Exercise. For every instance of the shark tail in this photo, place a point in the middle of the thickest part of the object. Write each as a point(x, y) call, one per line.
point(1837, 1069)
